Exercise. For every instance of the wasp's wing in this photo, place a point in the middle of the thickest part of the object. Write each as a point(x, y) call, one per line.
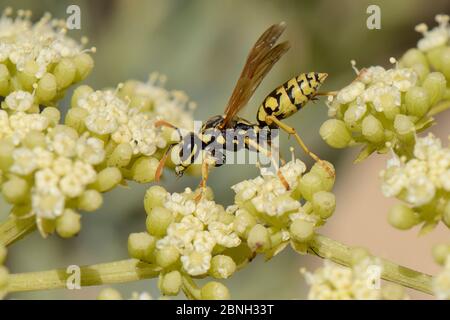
point(260, 60)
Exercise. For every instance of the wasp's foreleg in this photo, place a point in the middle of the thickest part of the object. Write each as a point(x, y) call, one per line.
point(292, 131)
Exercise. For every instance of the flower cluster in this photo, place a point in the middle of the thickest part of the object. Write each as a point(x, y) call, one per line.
point(441, 282)
point(50, 171)
point(360, 282)
point(3, 272)
point(382, 109)
point(125, 120)
point(38, 57)
point(433, 50)
point(197, 238)
point(423, 182)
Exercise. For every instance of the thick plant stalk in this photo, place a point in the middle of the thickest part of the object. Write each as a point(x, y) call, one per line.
point(14, 228)
point(339, 253)
point(133, 270)
point(97, 274)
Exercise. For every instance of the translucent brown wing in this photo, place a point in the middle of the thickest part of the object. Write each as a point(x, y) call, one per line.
point(260, 60)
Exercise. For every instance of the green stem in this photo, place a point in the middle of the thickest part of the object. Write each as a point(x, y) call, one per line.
point(15, 228)
point(97, 274)
point(326, 248)
point(190, 289)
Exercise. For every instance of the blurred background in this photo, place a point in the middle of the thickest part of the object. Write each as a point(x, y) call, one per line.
point(201, 47)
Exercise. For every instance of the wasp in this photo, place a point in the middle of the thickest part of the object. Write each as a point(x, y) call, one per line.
point(281, 103)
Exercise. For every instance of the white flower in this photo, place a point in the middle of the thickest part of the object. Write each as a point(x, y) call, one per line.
point(85, 172)
point(350, 92)
point(420, 191)
point(224, 234)
point(71, 185)
point(90, 149)
point(179, 203)
point(196, 262)
point(46, 180)
point(64, 144)
point(19, 100)
point(208, 211)
point(203, 241)
point(48, 204)
point(436, 37)
point(22, 123)
point(43, 157)
point(62, 166)
point(24, 161)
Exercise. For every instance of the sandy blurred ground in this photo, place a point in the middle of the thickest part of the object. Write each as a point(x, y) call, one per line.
point(201, 46)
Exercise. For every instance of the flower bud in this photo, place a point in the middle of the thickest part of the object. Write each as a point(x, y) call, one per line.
point(167, 256)
point(158, 220)
point(324, 204)
point(144, 169)
point(421, 70)
point(440, 253)
point(446, 215)
point(417, 101)
point(243, 223)
point(47, 87)
point(309, 184)
point(109, 294)
point(154, 197)
point(214, 291)
point(4, 80)
point(445, 62)
point(121, 155)
point(27, 77)
point(320, 170)
point(6, 151)
point(68, 224)
point(170, 283)
point(107, 179)
point(404, 127)
point(412, 57)
point(52, 114)
point(84, 65)
point(65, 72)
point(301, 230)
point(402, 217)
point(47, 226)
point(75, 119)
point(335, 133)
point(141, 246)
point(435, 84)
point(90, 200)
point(372, 129)
point(16, 190)
point(80, 92)
point(259, 239)
point(222, 267)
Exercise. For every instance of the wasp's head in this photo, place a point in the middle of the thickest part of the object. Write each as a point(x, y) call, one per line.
point(318, 79)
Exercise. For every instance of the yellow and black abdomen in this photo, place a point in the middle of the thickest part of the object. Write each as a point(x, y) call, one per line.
point(290, 96)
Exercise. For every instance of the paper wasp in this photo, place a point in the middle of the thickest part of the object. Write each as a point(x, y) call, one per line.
point(279, 104)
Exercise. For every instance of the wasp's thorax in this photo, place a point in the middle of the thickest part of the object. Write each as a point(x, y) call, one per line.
point(290, 97)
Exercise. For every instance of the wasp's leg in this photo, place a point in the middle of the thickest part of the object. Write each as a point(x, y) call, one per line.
point(326, 93)
point(202, 185)
point(164, 123)
point(292, 131)
point(268, 153)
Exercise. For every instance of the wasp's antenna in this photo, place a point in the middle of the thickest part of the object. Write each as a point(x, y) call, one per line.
point(162, 162)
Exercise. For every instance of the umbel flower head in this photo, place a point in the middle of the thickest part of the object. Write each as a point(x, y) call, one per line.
point(360, 282)
point(52, 172)
point(38, 57)
point(201, 238)
point(422, 182)
point(125, 120)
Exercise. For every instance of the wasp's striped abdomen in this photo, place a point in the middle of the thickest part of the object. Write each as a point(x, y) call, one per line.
point(290, 96)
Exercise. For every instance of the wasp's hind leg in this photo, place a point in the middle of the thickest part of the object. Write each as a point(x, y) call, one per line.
point(202, 185)
point(292, 131)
